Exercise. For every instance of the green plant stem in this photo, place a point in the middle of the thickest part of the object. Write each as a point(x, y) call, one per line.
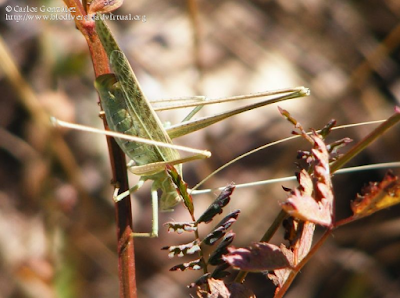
point(201, 254)
point(374, 135)
point(274, 227)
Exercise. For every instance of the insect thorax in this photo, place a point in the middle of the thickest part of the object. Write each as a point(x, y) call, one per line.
point(170, 196)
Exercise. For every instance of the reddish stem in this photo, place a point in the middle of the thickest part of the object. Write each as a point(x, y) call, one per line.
point(299, 266)
point(126, 256)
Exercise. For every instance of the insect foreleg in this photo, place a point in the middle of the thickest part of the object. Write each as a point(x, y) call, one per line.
point(118, 197)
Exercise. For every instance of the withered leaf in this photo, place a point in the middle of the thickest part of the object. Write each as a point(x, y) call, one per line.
point(200, 281)
point(193, 265)
point(183, 250)
point(217, 289)
point(300, 235)
point(313, 200)
point(216, 207)
point(303, 245)
point(240, 291)
point(219, 272)
point(216, 256)
point(305, 182)
point(221, 228)
point(280, 275)
point(259, 257)
point(306, 208)
point(180, 227)
point(334, 147)
point(377, 196)
point(325, 131)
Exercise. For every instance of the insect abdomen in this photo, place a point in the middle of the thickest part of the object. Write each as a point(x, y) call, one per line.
point(120, 120)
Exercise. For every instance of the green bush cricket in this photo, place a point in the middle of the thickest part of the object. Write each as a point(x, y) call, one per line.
point(141, 134)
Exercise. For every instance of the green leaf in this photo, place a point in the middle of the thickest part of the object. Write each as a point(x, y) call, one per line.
point(181, 188)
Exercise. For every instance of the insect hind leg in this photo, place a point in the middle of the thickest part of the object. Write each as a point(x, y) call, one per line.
point(154, 202)
point(154, 225)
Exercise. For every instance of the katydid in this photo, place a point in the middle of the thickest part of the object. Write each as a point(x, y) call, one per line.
point(128, 111)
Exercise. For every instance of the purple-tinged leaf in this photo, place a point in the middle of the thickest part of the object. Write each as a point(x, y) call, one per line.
point(193, 265)
point(305, 181)
point(219, 272)
point(216, 257)
point(321, 157)
point(217, 289)
point(317, 205)
point(257, 258)
point(216, 207)
point(303, 245)
point(302, 154)
point(300, 235)
point(323, 186)
point(200, 281)
point(305, 207)
point(325, 131)
point(183, 250)
point(180, 227)
point(280, 275)
point(240, 291)
point(334, 147)
point(221, 228)
point(297, 125)
point(218, 233)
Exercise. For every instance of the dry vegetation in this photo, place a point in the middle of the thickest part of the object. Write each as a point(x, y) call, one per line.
point(57, 225)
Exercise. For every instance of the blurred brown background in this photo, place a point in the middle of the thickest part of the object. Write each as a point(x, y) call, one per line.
point(57, 226)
